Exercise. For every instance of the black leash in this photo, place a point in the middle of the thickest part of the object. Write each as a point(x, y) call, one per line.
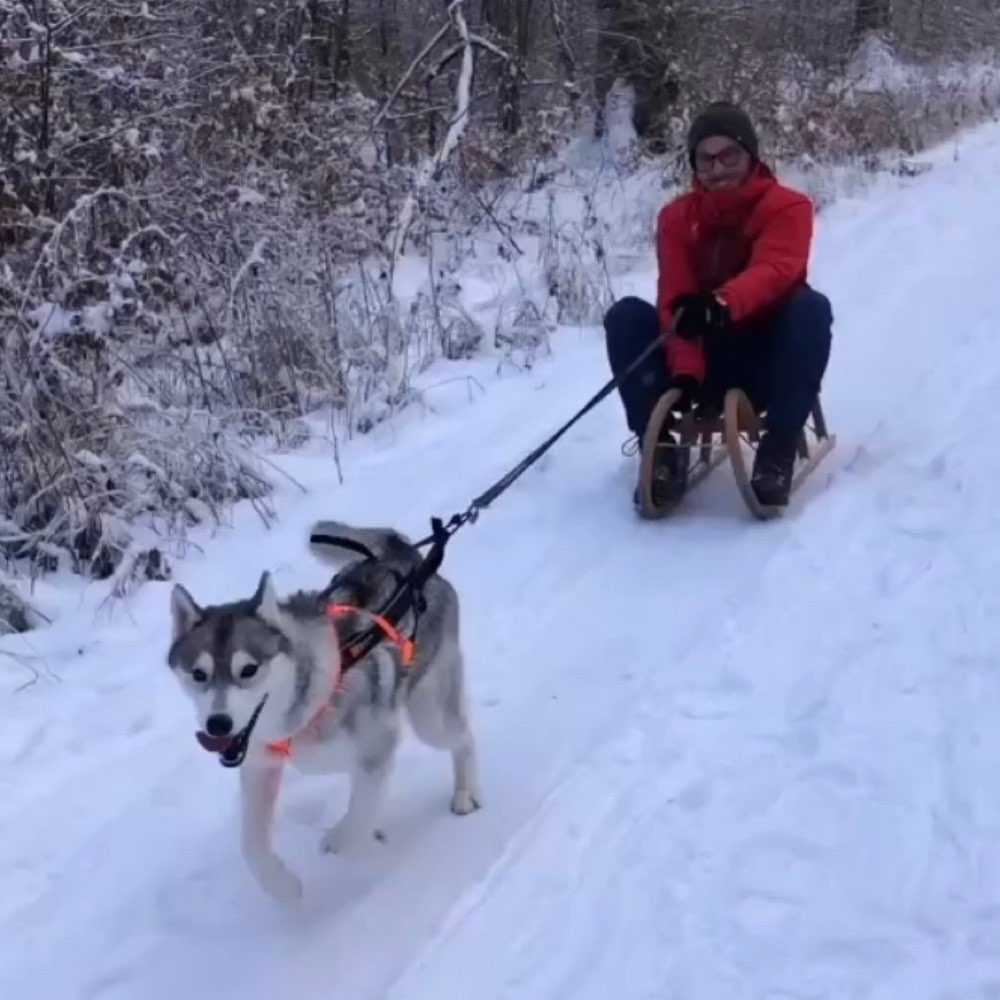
point(483, 501)
point(408, 594)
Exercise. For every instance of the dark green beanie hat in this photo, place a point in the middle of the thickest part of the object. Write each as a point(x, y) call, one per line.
point(723, 118)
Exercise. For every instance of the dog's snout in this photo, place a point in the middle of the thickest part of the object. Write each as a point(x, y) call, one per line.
point(219, 725)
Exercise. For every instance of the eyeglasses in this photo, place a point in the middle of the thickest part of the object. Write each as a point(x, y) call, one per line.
point(731, 156)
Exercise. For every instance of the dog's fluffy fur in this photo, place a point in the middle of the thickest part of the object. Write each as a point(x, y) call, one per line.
point(228, 657)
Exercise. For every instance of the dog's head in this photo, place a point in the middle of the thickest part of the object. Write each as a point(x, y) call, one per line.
point(230, 659)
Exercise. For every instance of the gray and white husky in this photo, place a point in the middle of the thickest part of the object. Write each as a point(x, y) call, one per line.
point(265, 675)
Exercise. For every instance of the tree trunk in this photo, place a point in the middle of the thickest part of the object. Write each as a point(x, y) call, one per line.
point(871, 17)
point(511, 20)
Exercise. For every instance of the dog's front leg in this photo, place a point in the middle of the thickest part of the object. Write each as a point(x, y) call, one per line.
point(369, 781)
point(260, 782)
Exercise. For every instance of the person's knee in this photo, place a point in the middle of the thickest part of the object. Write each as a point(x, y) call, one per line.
point(630, 326)
point(631, 314)
point(801, 347)
point(804, 334)
point(809, 313)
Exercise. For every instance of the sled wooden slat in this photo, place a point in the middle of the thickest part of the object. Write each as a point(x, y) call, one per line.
point(740, 418)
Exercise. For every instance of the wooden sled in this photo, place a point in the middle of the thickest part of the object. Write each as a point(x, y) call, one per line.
point(715, 436)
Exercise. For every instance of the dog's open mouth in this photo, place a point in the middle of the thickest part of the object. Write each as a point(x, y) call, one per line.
point(214, 744)
point(232, 749)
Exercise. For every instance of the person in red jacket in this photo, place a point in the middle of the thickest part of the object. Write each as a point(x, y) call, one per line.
point(732, 256)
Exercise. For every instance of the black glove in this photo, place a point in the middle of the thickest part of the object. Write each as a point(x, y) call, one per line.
point(701, 313)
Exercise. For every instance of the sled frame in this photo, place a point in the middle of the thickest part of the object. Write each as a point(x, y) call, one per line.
point(734, 433)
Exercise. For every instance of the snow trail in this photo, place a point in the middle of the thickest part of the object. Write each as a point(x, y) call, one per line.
point(719, 758)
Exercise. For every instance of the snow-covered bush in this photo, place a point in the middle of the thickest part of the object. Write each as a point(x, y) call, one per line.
point(197, 198)
point(16, 614)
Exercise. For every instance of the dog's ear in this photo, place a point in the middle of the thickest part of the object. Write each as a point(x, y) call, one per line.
point(184, 611)
point(264, 602)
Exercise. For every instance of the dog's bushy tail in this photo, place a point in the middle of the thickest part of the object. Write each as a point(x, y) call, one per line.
point(335, 542)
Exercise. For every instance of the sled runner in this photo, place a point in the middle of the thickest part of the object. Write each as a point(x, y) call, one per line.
point(713, 436)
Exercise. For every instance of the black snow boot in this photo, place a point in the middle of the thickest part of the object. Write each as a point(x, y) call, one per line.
point(670, 471)
point(773, 468)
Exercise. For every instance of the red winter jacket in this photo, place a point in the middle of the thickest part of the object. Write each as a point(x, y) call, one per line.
point(750, 244)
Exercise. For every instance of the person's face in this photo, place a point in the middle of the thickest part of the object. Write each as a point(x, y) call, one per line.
point(720, 162)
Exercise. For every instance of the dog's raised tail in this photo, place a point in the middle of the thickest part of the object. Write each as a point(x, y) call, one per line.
point(334, 542)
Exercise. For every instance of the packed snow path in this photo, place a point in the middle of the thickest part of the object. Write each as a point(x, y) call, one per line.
point(720, 759)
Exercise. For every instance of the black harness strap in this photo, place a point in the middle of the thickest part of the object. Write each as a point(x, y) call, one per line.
point(408, 596)
point(318, 538)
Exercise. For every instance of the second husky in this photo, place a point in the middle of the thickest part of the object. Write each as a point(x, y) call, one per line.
point(265, 674)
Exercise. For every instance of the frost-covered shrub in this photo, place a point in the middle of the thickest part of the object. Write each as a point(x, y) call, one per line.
point(196, 196)
point(525, 338)
point(16, 614)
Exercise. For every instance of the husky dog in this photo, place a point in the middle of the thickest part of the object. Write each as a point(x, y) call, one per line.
point(267, 680)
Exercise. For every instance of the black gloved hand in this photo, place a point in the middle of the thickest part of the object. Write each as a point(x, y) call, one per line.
point(701, 313)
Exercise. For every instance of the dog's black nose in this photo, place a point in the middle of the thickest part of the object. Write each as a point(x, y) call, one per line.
point(219, 725)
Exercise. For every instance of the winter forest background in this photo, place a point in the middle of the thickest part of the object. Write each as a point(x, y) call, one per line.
point(205, 207)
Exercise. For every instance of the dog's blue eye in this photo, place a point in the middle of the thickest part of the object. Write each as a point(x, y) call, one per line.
point(248, 671)
point(199, 675)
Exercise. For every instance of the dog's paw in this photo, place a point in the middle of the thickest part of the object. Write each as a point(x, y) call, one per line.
point(344, 836)
point(278, 881)
point(340, 837)
point(464, 802)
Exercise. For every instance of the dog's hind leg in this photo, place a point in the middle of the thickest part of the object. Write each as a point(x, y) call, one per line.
point(439, 715)
point(466, 798)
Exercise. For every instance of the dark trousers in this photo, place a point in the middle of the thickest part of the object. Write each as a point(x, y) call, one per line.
point(779, 360)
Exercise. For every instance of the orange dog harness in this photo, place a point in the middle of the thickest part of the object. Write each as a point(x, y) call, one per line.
point(407, 649)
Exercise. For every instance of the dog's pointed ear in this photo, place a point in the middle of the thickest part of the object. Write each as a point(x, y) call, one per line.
point(184, 611)
point(265, 600)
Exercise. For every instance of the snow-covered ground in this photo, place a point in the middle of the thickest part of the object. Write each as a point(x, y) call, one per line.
point(720, 759)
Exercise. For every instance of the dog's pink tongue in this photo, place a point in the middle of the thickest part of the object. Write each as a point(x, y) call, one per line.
point(214, 744)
